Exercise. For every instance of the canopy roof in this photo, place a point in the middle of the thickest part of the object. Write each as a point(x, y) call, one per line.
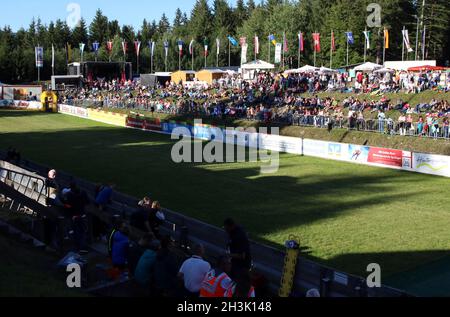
point(258, 64)
point(425, 68)
point(384, 70)
point(368, 67)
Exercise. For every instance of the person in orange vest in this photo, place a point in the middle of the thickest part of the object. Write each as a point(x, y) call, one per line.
point(217, 281)
point(242, 288)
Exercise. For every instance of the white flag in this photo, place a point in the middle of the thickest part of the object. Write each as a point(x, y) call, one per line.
point(278, 49)
point(244, 53)
point(218, 46)
point(367, 36)
point(256, 45)
point(406, 40)
point(53, 56)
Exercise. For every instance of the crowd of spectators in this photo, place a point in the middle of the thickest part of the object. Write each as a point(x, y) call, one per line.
point(277, 98)
point(152, 263)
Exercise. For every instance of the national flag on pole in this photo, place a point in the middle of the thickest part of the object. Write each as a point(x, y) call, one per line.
point(333, 42)
point(256, 45)
point(285, 43)
point(316, 39)
point(39, 54)
point(367, 37)
point(386, 38)
point(232, 41)
point(180, 47)
point(166, 47)
point(243, 40)
point(301, 44)
point(53, 56)
point(406, 40)
point(137, 47)
point(218, 46)
point(124, 47)
point(205, 44)
point(350, 39)
point(272, 39)
point(191, 47)
point(95, 47)
point(82, 46)
point(151, 46)
point(109, 46)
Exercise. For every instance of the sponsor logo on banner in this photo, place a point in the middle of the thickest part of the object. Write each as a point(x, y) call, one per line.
point(385, 157)
point(315, 148)
point(431, 164)
point(74, 111)
point(280, 143)
point(358, 153)
point(335, 150)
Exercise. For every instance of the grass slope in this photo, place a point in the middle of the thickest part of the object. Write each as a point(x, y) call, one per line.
point(347, 215)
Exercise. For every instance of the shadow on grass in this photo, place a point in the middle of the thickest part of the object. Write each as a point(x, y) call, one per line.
point(140, 164)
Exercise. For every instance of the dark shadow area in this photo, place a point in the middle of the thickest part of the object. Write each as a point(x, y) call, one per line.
point(4, 113)
point(271, 207)
point(431, 278)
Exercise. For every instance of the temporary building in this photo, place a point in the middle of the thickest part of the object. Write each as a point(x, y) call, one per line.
point(183, 76)
point(210, 75)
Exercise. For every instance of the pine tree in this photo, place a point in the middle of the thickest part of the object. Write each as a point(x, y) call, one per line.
point(98, 29)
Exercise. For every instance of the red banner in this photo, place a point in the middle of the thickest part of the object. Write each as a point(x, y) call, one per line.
point(385, 157)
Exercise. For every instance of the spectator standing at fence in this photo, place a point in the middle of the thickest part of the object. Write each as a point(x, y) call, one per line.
point(193, 272)
point(156, 218)
point(402, 124)
point(381, 121)
point(445, 125)
point(238, 247)
point(140, 218)
point(104, 196)
point(217, 281)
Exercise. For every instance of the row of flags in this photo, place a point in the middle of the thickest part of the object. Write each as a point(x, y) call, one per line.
point(279, 47)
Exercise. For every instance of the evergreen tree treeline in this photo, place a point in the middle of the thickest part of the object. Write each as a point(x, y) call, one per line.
point(209, 21)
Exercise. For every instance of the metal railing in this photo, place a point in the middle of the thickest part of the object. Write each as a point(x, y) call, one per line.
point(31, 186)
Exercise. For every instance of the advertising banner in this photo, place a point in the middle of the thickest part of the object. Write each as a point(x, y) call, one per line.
point(358, 153)
point(385, 157)
point(431, 164)
point(280, 143)
point(315, 148)
point(108, 117)
point(73, 111)
point(135, 123)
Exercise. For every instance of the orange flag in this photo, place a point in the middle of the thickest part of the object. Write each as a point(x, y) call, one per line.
point(386, 38)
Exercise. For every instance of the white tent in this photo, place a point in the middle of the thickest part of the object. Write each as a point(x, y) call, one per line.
point(308, 69)
point(257, 65)
point(367, 67)
point(384, 71)
point(324, 70)
point(250, 70)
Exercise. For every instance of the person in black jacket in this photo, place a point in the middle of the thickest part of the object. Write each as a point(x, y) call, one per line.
point(238, 247)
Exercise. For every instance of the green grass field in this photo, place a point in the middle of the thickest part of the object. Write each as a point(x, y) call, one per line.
point(346, 215)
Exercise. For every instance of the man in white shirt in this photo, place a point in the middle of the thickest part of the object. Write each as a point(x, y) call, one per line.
point(193, 272)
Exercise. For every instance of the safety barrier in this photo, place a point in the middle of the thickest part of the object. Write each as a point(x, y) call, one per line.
point(381, 157)
point(268, 261)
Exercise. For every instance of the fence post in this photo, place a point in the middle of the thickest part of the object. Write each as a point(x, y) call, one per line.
point(325, 282)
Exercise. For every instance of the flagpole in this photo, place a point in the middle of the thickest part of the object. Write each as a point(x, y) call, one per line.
point(365, 45)
point(192, 56)
point(217, 54)
point(403, 44)
point(347, 49)
point(424, 41)
point(151, 58)
point(284, 43)
point(331, 50)
point(229, 53)
point(384, 45)
point(268, 58)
